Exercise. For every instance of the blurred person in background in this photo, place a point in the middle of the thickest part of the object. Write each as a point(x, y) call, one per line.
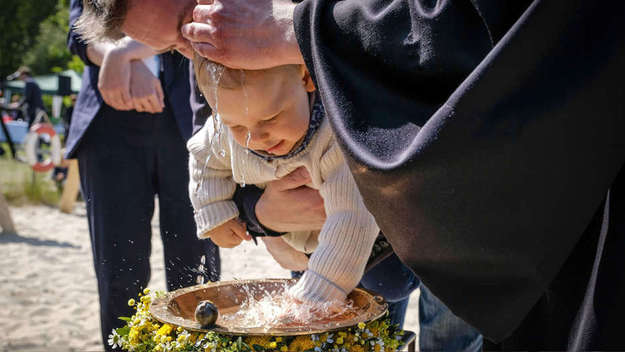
point(31, 101)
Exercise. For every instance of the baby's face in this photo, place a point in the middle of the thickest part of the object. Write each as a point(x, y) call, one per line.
point(270, 112)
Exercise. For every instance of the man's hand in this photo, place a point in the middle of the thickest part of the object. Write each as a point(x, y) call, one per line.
point(288, 257)
point(230, 234)
point(247, 34)
point(288, 205)
point(145, 89)
point(114, 79)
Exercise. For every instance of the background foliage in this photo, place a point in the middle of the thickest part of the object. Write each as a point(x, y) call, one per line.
point(34, 34)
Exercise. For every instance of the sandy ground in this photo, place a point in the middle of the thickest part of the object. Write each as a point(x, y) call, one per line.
point(48, 292)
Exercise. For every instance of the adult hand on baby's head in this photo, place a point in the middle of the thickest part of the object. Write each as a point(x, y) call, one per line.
point(230, 234)
point(289, 205)
point(247, 34)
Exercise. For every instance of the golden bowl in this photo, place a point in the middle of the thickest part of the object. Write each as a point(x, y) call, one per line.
point(178, 308)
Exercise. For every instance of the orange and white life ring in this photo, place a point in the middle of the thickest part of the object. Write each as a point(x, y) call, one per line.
point(30, 147)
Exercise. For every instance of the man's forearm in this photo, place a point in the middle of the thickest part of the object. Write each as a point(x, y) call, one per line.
point(126, 47)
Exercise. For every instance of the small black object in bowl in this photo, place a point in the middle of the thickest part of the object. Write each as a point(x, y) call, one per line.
point(206, 313)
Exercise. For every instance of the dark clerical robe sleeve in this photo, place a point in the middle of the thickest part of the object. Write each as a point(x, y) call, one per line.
point(483, 134)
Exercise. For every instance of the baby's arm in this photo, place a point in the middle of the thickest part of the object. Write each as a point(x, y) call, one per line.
point(288, 257)
point(211, 187)
point(346, 239)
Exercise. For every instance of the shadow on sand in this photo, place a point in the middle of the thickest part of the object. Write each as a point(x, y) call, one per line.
point(15, 238)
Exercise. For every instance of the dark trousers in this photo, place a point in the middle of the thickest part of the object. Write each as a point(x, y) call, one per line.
point(125, 159)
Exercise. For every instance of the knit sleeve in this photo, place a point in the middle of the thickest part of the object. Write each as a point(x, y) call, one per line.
point(211, 186)
point(346, 238)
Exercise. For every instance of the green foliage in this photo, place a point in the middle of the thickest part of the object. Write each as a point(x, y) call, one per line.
point(19, 20)
point(76, 64)
point(49, 52)
point(34, 33)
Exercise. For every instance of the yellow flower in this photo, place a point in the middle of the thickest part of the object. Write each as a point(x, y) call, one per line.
point(361, 326)
point(278, 339)
point(339, 340)
point(273, 344)
point(284, 349)
point(146, 291)
point(193, 337)
point(131, 302)
point(257, 340)
point(165, 330)
point(357, 348)
point(133, 335)
point(301, 343)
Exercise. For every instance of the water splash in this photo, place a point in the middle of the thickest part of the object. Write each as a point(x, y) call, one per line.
point(276, 309)
point(247, 142)
point(200, 268)
point(216, 72)
point(244, 86)
point(247, 151)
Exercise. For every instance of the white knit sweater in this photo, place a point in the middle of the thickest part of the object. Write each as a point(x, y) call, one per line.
point(347, 236)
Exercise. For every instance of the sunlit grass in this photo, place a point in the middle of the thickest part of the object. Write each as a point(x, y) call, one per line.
point(20, 185)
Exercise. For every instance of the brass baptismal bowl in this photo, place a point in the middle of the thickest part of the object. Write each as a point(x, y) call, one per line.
point(178, 308)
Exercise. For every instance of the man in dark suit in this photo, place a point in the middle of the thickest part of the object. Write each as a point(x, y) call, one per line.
point(31, 100)
point(128, 131)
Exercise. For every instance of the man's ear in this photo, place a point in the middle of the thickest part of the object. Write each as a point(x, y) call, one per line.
point(307, 79)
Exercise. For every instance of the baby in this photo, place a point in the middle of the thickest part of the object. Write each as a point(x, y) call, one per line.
point(274, 123)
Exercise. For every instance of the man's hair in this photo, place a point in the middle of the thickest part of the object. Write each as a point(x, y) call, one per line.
point(25, 70)
point(101, 19)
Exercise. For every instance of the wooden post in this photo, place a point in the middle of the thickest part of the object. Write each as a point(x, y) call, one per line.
point(72, 187)
point(6, 223)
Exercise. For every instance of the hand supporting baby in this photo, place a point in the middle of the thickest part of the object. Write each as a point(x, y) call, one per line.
point(288, 257)
point(230, 234)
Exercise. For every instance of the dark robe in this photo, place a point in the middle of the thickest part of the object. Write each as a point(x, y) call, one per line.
point(498, 202)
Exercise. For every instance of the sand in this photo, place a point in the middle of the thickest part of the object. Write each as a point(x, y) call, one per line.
point(48, 292)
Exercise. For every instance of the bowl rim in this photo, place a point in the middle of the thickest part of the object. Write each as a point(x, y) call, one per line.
point(160, 311)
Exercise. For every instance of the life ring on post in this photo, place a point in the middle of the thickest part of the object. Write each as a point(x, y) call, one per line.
point(30, 147)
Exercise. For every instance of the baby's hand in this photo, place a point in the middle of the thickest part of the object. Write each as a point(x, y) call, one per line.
point(230, 234)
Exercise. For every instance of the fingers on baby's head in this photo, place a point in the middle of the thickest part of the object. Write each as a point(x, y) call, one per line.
point(211, 75)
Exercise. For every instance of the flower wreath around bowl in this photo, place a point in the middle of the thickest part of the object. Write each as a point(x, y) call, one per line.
point(143, 333)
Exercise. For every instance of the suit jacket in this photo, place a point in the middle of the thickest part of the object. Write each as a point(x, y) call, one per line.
point(174, 79)
point(484, 136)
point(32, 99)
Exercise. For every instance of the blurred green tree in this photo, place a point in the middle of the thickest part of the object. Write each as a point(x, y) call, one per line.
point(34, 34)
point(49, 52)
point(19, 20)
